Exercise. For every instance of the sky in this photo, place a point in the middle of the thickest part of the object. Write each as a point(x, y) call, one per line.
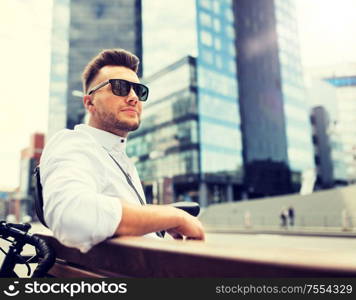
point(24, 81)
point(326, 29)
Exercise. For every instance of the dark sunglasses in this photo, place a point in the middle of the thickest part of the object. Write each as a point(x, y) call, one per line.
point(121, 87)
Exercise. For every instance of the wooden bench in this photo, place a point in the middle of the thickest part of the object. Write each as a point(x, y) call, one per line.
point(145, 257)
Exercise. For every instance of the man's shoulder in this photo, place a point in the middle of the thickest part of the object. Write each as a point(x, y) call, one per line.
point(70, 135)
point(70, 140)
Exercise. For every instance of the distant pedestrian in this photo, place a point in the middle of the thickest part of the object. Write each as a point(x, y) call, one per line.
point(291, 215)
point(284, 217)
point(247, 219)
point(345, 220)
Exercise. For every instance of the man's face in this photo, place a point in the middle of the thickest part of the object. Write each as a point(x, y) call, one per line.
point(115, 114)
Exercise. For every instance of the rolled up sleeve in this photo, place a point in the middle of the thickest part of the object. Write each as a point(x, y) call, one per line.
point(75, 209)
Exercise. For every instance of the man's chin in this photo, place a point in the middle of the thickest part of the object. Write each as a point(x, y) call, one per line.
point(128, 126)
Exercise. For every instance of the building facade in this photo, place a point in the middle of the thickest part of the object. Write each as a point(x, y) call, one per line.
point(4, 198)
point(322, 95)
point(80, 30)
point(167, 148)
point(206, 32)
point(218, 102)
point(57, 114)
point(21, 202)
point(343, 78)
point(320, 121)
point(273, 102)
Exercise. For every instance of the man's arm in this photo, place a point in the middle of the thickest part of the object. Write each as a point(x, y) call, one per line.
point(140, 220)
point(77, 211)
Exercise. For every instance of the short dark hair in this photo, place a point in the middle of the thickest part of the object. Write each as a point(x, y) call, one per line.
point(108, 57)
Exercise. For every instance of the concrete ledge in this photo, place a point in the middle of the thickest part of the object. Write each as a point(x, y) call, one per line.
point(297, 231)
point(144, 257)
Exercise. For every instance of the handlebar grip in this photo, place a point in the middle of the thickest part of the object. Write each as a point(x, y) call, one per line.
point(22, 226)
point(47, 254)
point(190, 207)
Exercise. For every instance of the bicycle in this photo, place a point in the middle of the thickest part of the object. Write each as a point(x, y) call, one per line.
point(18, 235)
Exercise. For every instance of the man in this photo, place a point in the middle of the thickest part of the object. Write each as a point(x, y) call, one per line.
point(291, 215)
point(91, 189)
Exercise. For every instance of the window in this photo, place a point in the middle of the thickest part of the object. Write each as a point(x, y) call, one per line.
point(229, 15)
point(217, 25)
point(218, 61)
point(230, 31)
point(206, 38)
point(315, 140)
point(205, 19)
point(317, 160)
point(99, 10)
point(232, 49)
point(232, 66)
point(207, 56)
point(205, 4)
point(216, 7)
point(217, 44)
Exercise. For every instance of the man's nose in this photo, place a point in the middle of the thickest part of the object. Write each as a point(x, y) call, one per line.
point(132, 98)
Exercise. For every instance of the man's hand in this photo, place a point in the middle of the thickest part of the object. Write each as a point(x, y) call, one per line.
point(190, 228)
point(140, 220)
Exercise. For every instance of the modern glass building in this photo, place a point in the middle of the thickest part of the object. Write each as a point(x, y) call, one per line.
point(346, 91)
point(322, 147)
point(274, 107)
point(205, 30)
point(296, 103)
point(57, 115)
point(166, 147)
point(219, 117)
point(343, 78)
point(323, 95)
point(81, 29)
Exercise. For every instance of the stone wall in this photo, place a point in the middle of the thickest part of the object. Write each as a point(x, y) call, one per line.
point(330, 208)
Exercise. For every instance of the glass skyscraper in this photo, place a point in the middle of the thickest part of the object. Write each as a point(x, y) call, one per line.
point(296, 106)
point(166, 147)
point(219, 117)
point(205, 31)
point(57, 115)
point(274, 106)
point(80, 30)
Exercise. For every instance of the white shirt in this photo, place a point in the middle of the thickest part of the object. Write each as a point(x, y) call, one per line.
point(83, 187)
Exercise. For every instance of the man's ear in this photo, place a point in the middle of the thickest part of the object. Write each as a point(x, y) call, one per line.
point(88, 102)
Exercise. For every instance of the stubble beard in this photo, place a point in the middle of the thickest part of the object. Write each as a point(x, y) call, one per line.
point(110, 123)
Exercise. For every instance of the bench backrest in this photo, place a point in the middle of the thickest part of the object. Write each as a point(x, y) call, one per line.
point(39, 196)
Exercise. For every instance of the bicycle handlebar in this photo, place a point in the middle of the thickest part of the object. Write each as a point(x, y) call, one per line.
point(191, 208)
point(19, 233)
point(43, 251)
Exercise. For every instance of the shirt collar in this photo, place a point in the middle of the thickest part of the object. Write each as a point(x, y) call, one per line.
point(108, 140)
